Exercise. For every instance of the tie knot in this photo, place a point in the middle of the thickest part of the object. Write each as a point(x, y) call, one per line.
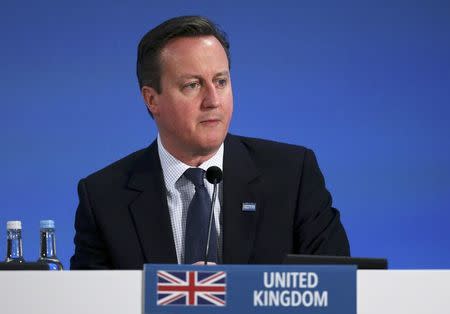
point(195, 175)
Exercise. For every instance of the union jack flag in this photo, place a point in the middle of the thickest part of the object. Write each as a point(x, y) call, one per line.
point(191, 288)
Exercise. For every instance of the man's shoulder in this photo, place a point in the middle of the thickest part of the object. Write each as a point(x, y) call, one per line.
point(268, 147)
point(119, 169)
point(275, 160)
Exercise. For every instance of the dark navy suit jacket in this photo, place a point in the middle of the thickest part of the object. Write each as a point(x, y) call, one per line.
point(123, 221)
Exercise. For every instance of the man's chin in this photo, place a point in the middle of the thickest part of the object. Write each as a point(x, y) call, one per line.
point(210, 146)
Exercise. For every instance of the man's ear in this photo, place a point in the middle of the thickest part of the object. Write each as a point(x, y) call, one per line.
point(151, 99)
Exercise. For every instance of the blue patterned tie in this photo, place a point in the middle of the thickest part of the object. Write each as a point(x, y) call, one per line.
point(197, 221)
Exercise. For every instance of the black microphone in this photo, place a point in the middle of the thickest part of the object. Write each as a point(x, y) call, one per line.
point(214, 176)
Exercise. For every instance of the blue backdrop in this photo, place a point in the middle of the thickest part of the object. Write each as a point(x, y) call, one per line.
point(370, 83)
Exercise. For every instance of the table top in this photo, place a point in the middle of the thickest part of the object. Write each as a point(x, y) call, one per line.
point(40, 292)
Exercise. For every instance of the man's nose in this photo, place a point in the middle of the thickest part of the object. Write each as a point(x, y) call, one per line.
point(211, 98)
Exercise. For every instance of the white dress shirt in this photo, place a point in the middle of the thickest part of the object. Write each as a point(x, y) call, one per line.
point(180, 192)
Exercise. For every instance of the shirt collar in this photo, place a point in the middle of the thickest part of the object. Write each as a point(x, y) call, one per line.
point(173, 168)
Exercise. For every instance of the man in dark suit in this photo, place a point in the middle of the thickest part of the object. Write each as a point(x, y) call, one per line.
point(145, 207)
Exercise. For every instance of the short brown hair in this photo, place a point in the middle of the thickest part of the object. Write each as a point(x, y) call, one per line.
point(148, 67)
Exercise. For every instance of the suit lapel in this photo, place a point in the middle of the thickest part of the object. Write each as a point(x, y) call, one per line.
point(150, 210)
point(241, 184)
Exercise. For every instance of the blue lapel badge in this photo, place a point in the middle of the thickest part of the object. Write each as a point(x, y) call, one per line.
point(249, 207)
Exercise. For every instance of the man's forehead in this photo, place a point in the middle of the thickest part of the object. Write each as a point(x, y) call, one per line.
point(184, 44)
point(187, 55)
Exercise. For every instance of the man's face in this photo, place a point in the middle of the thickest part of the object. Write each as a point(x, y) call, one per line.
point(194, 108)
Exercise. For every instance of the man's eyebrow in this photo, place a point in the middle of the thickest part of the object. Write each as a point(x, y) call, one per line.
point(223, 73)
point(191, 76)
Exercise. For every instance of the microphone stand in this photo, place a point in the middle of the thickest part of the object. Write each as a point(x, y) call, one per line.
point(211, 215)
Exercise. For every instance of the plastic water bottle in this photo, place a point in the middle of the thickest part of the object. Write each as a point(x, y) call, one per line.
point(14, 253)
point(48, 245)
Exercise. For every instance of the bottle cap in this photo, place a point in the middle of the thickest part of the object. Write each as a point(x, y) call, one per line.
point(47, 224)
point(14, 224)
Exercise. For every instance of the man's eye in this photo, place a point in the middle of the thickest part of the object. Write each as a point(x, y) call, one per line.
point(222, 82)
point(192, 85)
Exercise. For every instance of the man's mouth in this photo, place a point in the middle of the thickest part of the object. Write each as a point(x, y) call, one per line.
point(211, 120)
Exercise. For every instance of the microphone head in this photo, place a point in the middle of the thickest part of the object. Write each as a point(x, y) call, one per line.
point(214, 175)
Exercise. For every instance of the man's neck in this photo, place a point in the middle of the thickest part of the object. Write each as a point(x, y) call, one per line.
point(193, 159)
